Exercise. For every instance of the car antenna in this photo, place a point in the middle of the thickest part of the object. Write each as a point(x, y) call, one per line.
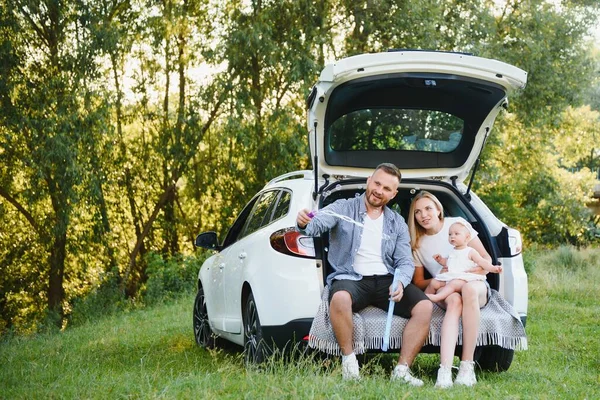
point(316, 165)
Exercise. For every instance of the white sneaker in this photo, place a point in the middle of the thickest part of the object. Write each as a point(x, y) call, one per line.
point(444, 377)
point(402, 374)
point(466, 374)
point(350, 368)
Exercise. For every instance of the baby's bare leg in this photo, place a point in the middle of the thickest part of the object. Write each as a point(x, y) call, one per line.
point(433, 286)
point(454, 285)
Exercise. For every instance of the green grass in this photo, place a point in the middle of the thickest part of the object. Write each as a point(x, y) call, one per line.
point(152, 354)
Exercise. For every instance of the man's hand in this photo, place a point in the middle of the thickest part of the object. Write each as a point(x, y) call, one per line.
point(397, 295)
point(303, 218)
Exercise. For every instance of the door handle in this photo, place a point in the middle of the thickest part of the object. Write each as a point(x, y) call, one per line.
point(242, 255)
point(221, 266)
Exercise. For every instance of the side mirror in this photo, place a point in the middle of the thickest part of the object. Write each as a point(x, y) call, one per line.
point(207, 240)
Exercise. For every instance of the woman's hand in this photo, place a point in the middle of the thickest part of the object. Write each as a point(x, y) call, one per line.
point(419, 277)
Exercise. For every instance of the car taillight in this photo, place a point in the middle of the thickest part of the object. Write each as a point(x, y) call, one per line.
point(291, 242)
point(514, 242)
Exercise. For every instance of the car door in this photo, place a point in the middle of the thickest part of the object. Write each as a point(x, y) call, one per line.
point(253, 242)
point(214, 289)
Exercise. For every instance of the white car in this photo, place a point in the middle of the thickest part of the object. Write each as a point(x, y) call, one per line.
point(430, 114)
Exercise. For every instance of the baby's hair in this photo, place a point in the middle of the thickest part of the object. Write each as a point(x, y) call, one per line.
point(465, 228)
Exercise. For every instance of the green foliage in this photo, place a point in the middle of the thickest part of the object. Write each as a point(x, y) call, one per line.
point(591, 95)
point(522, 182)
point(570, 259)
point(104, 300)
point(172, 277)
point(577, 138)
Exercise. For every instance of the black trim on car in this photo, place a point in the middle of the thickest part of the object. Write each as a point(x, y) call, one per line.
point(503, 244)
point(289, 334)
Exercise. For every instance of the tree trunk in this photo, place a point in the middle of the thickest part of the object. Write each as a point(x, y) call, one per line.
point(56, 291)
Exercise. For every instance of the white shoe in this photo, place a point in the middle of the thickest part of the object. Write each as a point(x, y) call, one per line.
point(444, 377)
point(350, 370)
point(466, 374)
point(402, 374)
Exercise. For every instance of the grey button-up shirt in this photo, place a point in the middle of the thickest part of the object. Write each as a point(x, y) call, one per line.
point(345, 239)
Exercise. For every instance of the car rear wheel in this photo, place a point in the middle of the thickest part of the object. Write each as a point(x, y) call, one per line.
point(255, 350)
point(495, 358)
point(202, 332)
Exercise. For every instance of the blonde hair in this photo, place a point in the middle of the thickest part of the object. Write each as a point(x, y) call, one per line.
point(415, 230)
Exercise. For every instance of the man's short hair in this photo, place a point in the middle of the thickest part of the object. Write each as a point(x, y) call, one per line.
point(390, 169)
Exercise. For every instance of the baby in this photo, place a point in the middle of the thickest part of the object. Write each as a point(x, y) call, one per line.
point(459, 262)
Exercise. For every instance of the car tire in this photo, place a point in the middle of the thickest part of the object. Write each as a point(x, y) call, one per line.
point(255, 350)
point(495, 358)
point(204, 336)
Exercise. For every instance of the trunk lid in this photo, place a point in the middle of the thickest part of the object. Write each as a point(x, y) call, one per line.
point(429, 113)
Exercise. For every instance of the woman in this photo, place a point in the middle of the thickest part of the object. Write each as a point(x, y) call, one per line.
point(429, 237)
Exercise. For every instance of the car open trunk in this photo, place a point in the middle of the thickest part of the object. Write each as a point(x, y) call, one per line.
point(429, 113)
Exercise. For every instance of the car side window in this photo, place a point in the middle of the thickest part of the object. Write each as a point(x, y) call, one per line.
point(283, 205)
point(237, 227)
point(261, 213)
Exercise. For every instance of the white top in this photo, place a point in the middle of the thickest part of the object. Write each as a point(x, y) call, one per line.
point(458, 262)
point(368, 259)
point(431, 245)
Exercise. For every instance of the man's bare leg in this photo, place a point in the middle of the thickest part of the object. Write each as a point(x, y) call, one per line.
point(415, 332)
point(413, 337)
point(340, 314)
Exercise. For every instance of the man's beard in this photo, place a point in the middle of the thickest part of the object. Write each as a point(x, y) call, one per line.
point(381, 202)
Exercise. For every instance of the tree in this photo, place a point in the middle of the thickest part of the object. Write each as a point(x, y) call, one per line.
point(271, 64)
point(545, 202)
point(51, 117)
point(174, 32)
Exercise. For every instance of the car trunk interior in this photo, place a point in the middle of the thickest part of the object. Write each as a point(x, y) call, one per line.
point(453, 202)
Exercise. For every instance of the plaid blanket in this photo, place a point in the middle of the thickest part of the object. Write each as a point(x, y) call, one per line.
point(499, 325)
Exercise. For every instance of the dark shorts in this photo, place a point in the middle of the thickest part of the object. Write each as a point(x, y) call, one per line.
point(375, 291)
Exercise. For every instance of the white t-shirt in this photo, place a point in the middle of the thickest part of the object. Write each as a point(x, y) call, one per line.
point(368, 259)
point(437, 244)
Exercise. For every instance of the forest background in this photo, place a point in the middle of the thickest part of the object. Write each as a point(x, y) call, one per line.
point(129, 126)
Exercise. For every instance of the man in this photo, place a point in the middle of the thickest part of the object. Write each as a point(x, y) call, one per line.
point(364, 257)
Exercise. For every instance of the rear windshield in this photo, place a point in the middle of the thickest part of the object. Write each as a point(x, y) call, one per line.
point(414, 120)
point(396, 129)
